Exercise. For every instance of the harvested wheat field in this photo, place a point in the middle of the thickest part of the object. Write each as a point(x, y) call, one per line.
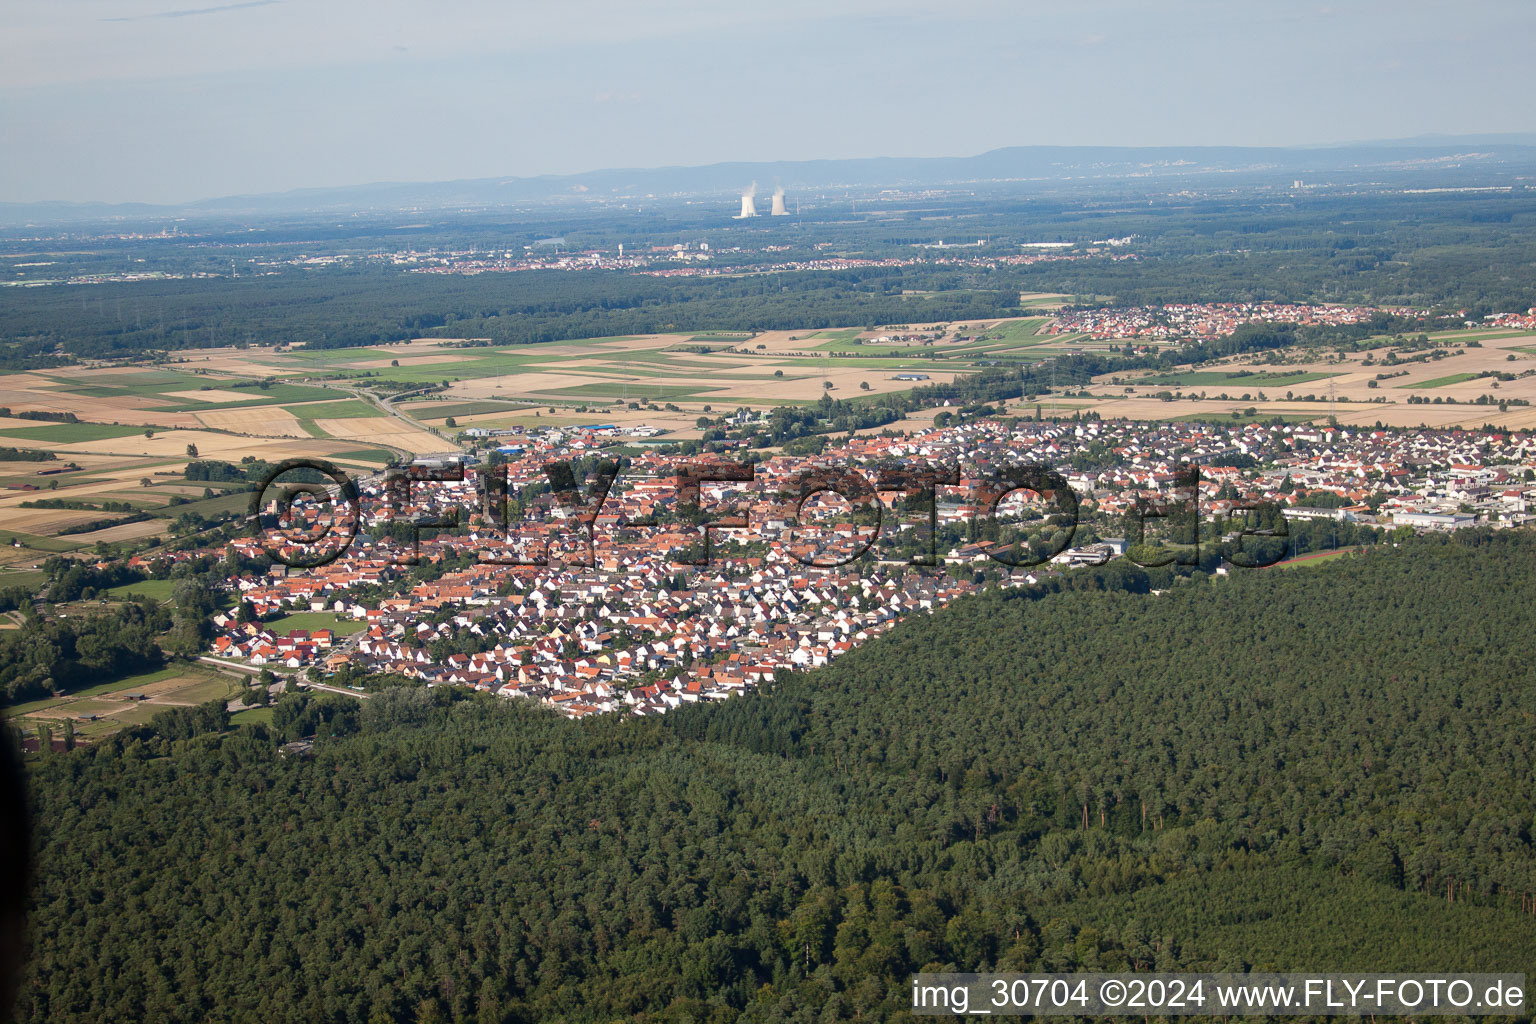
point(45, 522)
point(268, 420)
point(384, 430)
point(127, 531)
point(211, 396)
point(846, 383)
point(172, 445)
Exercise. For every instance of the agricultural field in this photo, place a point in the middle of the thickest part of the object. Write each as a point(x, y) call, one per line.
point(103, 709)
point(31, 580)
point(1440, 382)
point(1458, 382)
point(68, 433)
point(272, 402)
point(137, 423)
point(576, 381)
point(440, 410)
point(371, 457)
point(387, 430)
point(252, 716)
point(136, 429)
point(344, 409)
point(1052, 300)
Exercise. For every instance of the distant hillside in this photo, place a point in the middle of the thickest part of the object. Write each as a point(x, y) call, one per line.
point(1445, 159)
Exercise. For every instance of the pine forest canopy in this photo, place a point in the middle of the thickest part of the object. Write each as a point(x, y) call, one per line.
point(1304, 769)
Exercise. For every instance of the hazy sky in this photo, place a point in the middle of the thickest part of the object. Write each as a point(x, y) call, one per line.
point(168, 100)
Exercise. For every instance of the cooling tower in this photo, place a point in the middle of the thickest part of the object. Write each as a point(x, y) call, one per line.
point(748, 202)
point(778, 204)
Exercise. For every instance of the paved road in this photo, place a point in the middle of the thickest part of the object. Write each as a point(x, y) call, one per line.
point(387, 405)
point(334, 689)
point(277, 687)
point(250, 670)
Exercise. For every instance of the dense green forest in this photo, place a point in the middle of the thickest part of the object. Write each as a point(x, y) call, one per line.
point(63, 654)
point(1321, 768)
point(348, 308)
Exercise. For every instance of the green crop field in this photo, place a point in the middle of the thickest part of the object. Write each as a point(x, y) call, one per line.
point(1280, 380)
point(442, 410)
point(224, 504)
point(1440, 382)
point(132, 382)
point(38, 543)
point(69, 433)
point(105, 391)
point(351, 408)
point(1021, 332)
point(30, 580)
point(78, 707)
point(130, 683)
point(18, 710)
point(215, 687)
point(252, 716)
point(372, 455)
point(841, 340)
point(122, 717)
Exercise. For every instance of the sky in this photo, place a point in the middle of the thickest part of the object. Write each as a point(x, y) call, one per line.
point(176, 100)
